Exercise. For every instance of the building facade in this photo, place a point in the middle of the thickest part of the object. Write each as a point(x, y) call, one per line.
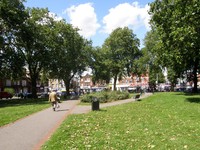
point(131, 82)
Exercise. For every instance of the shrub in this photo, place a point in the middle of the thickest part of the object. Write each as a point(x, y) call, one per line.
point(86, 98)
point(10, 90)
point(117, 95)
point(105, 96)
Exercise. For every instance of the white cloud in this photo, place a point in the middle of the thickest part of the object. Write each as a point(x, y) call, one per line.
point(131, 15)
point(146, 17)
point(83, 16)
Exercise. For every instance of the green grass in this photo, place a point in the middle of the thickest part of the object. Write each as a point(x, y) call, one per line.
point(163, 121)
point(12, 110)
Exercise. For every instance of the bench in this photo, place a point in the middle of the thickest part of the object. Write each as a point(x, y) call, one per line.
point(137, 97)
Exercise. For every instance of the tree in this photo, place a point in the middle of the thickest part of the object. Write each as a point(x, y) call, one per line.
point(178, 25)
point(172, 77)
point(152, 58)
point(33, 45)
point(121, 49)
point(97, 64)
point(68, 53)
point(12, 17)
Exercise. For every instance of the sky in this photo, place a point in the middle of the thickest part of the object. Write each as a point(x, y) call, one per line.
point(96, 19)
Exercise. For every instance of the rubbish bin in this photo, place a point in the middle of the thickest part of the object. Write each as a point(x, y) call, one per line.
point(95, 103)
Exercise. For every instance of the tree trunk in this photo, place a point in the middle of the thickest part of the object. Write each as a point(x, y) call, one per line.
point(33, 87)
point(115, 82)
point(67, 86)
point(195, 80)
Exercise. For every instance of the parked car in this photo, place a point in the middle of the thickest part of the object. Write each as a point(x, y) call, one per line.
point(5, 95)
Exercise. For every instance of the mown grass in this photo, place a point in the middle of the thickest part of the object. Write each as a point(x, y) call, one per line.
point(162, 121)
point(12, 110)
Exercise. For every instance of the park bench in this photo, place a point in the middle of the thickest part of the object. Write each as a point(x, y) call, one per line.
point(137, 97)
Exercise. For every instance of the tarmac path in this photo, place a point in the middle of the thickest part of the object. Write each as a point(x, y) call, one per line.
point(31, 132)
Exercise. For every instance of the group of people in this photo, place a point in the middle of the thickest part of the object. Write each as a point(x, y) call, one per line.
point(54, 99)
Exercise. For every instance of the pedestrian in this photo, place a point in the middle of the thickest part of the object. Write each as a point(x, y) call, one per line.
point(53, 99)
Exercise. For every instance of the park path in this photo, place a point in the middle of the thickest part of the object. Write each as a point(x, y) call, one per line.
point(31, 132)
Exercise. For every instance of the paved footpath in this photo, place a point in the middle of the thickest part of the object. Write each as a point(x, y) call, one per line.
point(32, 131)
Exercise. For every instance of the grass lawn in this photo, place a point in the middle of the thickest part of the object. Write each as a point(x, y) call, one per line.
point(163, 121)
point(12, 110)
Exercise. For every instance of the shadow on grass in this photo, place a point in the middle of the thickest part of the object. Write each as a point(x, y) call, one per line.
point(138, 100)
point(193, 100)
point(21, 102)
point(186, 93)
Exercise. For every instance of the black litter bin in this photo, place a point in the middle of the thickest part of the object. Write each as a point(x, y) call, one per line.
point(95, 103)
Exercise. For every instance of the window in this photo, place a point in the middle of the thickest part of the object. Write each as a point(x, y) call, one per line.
point(87, 80)
point(16, 83)
point(8, 82)
point(23, 82)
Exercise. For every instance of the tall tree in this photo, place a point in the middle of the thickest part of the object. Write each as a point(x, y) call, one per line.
point(121, 49)
point(33, 44)
point(68, 52)
point(178, 25)
point(12, 17)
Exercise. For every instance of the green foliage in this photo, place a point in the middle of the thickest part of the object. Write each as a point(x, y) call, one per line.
point(120, 50)
point(10, 90)
point(105, 96)
point(153, 58)
point(177, 24)
point(117, 95)
point(69, 53)
point(162, 121)
point(98, 65)
point(172, 77)
point(33, 43)
point(32, 39)
point(12, 17)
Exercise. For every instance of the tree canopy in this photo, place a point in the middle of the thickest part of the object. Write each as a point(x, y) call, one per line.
point(151, 59)
point(12, 17)
point(33, 45)
point(178, 24)
point(33, 42)
point(121, 48)
point(98, 65)
point(69, 53)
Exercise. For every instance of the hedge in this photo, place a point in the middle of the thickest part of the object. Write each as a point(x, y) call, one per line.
point(105, 96)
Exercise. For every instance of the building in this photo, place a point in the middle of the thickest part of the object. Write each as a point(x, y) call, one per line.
point(86, 83)
point(19, 86)
point(22, 85)
point(56, 84)
point(131, 82)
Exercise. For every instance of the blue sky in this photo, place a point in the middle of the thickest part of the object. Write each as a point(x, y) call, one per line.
point(96, 19)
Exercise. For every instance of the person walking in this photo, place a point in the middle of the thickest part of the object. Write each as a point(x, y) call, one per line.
point(53, 99)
